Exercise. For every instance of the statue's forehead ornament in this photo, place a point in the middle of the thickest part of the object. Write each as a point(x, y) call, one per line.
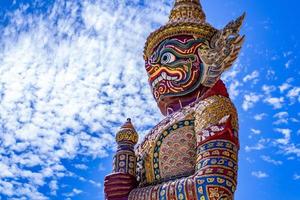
point(188, 18)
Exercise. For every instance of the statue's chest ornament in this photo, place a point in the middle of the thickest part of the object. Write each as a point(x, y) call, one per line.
point(174, 151)
point(169, 151)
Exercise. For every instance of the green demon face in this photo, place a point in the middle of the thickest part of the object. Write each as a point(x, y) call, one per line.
point(175, 68)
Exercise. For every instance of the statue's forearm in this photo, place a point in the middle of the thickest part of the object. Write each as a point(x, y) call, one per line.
point(217, 169)
point(216, 165)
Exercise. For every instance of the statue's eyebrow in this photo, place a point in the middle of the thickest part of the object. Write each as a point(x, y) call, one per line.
point(157, 51)
point(177, 44)
point(181, 45)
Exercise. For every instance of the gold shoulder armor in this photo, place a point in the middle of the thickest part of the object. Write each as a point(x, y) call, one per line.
point(212, 109)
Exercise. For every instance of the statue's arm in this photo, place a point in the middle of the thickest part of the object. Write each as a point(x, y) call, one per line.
point(216, 166)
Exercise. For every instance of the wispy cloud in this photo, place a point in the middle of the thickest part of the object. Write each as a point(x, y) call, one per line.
point(287, 136)
point(255, 131)
point(276, 102)
point(261, 144)
point(69, 77)
point(260, 116)
point(250, 100)
point(259, 174)
point(81, 166)
point(294, 94)
point(284, 87)
point(281, 118)
point(270, 160)
point(73, 193)
point(253, 76)
point(291, 149)
point(296, 177)
point(268, 89)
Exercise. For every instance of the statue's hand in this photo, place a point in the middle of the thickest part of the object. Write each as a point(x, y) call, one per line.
point(117, 186)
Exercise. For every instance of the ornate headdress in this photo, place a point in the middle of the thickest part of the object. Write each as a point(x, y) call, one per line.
point(188, 18)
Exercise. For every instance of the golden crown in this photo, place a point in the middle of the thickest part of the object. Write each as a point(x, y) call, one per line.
point(186, 18)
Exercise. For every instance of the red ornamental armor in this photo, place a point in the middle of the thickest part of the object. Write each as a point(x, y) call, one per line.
point(192, 153)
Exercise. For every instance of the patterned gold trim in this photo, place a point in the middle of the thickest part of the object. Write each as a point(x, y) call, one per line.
point(127, 135)
point(187, 10)
point(203, 30)
point(212, 110)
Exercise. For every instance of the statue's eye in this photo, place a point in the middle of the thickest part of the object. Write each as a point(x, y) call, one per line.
point(167, 58)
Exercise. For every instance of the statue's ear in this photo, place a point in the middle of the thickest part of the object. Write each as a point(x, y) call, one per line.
point(233, 40)
point(234, 26)
point(223, 50)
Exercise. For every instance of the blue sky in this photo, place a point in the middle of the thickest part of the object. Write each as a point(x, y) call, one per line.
point(71, 72)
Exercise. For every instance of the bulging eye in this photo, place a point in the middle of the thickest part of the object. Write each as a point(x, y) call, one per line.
point(167, 58)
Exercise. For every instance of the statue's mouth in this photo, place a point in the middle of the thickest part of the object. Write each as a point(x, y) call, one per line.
point(164, 76)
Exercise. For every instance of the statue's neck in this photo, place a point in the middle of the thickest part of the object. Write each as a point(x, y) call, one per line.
point(173, 104)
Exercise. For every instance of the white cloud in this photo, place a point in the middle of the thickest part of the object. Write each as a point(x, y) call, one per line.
point(268, 89)
point(5, 171)
point(281, 115)
point(288, 63)
point(231, 80)
point(250, 160)
point(296, 177)
point(53, 187)
point(67, 81)
point(275, 102)
point(284, 87)
point(287, 53)
point(6, 188)
point(259, 174)
point(291, 149)
point(271, 75)
point(96, 184)
point(81, 166)
point(255, 131)
point(282, 118)
point(294, 94)
point(270, 160)
point(74, 192)
point(101, 167)
point(261, 144)
point(250, 100)
point(234, 89)
point(260, 116)
point(287, 136)
point(251, 76)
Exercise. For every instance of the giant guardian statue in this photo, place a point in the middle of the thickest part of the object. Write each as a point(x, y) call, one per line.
point(193, 152)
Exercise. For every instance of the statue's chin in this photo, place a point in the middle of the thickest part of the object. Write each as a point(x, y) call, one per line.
point(170, 104)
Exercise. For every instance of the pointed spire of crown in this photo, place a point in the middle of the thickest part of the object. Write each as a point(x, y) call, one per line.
point(187, 11)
